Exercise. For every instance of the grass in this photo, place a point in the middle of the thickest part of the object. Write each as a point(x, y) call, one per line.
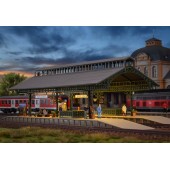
point(45, 135)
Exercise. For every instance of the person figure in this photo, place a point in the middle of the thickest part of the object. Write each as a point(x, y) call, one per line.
point(60, 109)
point(85, 111)
point(44, 112)
point(165, 107)
point(99, 111)
point(124, 110)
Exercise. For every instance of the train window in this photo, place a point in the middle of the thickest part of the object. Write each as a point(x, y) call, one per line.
point(51, 102)
point(16, 101)
point(9, 101)
point(32, 102)
point(144, 103)
point(36, 101)
point(137, 103)
point(46, 101)
point(2, 101)
point(157, 103)
point(24, 101)
point(42, 101)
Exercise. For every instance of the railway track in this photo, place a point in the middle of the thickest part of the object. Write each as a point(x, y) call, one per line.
point(156, 134)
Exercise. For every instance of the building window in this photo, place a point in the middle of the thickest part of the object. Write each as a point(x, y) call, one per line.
point(146, 71)
point(154, 72)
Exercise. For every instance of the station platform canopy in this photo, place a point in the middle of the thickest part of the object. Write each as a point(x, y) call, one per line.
point(125, 79)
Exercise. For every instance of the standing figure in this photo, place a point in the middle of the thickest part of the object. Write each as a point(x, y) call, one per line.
point(124, 110)
point(85, 111)
point(165, 107)
point(99, 111)
point(45, 112)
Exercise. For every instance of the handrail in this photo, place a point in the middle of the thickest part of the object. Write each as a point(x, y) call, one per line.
point(56, 121)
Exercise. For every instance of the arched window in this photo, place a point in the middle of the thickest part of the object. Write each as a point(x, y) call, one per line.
point(146, 71)
point(154, 72)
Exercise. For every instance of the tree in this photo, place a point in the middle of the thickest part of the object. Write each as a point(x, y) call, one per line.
point(9, 80)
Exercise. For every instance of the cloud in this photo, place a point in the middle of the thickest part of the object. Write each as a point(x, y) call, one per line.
point(2, 41)
point(15, 52)
point(42, 40)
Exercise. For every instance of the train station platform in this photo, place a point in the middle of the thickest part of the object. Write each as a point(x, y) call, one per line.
point(124, 124)
point(158, 119)
point(103, 122)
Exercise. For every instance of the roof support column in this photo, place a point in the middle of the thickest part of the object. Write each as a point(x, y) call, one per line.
point(89, 102)
point(29, 103)
point(56, 99)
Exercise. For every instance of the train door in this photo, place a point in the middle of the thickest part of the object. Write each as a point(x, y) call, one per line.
point(37, 103)
point(12, 103)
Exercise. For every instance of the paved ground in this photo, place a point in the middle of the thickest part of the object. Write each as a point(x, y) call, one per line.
point(124, 124)
point(159, 119)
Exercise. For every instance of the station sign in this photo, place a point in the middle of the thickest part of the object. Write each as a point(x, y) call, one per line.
point(41, 96)
point(81, 96)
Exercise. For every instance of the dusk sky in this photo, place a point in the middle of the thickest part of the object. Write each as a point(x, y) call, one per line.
point(23, 49)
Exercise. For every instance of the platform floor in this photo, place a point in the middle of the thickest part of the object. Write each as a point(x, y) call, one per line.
point(124, 124)
point(159, 119)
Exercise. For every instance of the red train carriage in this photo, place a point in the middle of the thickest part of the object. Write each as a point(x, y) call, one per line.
point(151, 100)
point(10, 104)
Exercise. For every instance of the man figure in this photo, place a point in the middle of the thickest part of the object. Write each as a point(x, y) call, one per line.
point(99, 111)
point(124, 110)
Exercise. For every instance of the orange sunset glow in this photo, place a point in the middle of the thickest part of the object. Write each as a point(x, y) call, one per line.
point(19, 72)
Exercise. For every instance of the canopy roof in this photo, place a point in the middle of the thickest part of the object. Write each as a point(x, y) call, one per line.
point(94, 80)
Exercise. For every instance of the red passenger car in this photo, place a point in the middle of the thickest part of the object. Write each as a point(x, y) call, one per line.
point(10, 104)
point(151, 100)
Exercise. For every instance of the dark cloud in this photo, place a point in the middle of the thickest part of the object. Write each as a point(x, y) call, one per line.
point(15, 52)
point(109, 30)
point(32, 47)
point(41, 40)
point(167, 44)
point(116, 50)
point(2, 41)
point(38, 60)
point(41, 49)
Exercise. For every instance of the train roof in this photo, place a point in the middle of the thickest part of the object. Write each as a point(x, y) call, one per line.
point(13, 97)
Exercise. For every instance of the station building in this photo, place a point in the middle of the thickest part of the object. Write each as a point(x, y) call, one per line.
point(108, 81)
point(153, 60)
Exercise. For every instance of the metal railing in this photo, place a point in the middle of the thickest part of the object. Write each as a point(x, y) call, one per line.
point(111, 111)
point(73, 114)
point(55, 121)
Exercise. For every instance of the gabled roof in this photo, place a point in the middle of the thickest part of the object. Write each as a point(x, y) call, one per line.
point(81, 79)
point(66, 80)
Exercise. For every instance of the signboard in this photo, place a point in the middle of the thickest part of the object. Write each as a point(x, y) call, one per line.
point(41, 96)
point(81, 96)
